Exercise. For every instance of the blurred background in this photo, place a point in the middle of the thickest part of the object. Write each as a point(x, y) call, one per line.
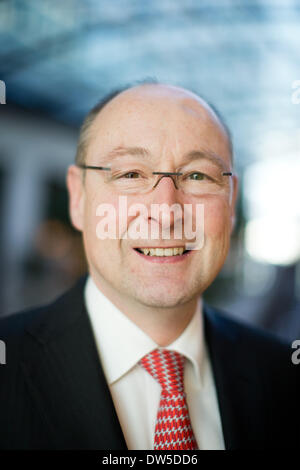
point(57, 59)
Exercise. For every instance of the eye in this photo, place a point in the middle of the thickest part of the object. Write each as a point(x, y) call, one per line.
point(196, 176)
point(130, 175)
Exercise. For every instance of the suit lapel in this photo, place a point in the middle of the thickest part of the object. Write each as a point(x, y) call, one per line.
point(62, 368)
point(237, 383)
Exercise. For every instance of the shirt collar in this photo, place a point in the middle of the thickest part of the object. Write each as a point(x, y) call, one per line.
point(121, 343)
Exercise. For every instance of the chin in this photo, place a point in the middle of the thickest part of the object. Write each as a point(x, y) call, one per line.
point(162, 297)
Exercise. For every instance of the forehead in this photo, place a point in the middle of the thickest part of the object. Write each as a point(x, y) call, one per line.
point(168, 121)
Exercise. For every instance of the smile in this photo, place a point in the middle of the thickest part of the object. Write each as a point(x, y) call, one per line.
point(163, 255)
point(175, 251)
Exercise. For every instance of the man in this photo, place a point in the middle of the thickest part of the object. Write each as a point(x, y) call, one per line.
point(130, 357)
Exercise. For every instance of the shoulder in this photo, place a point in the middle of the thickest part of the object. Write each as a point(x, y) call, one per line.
point(37, 320)
point(250, 342)
point(256, 360)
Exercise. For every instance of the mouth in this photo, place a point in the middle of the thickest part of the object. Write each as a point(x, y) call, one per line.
point(162, 252)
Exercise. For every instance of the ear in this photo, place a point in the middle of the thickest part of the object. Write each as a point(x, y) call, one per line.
point(76, 192)
point(234, 196)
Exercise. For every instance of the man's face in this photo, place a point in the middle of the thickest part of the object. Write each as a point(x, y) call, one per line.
point(169, 123)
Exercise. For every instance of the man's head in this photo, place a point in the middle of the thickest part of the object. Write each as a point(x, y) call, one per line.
point(169, 123)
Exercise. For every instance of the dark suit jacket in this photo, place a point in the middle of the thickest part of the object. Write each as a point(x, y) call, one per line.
point(53, 393)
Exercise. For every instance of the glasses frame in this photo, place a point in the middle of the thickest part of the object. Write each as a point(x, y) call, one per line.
point(163, 173)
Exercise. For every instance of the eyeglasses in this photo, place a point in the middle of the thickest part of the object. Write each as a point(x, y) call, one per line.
point(198, 179)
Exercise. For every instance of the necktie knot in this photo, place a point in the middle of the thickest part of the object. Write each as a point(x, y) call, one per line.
point(167, 368)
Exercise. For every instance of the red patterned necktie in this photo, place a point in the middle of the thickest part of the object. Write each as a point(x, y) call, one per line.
point(173, 429)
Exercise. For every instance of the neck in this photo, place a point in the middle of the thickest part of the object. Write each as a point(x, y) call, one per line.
point(162, 324)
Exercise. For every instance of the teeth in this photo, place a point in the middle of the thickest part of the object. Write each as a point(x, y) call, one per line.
point(162, 251)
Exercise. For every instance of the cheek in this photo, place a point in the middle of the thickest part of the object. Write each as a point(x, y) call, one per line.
point(121, 207)
point(100, 207)
point(217, 219)
point(100, 210)
point(107, 250)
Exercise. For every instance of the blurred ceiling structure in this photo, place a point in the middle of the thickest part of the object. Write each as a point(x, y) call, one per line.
point(58, 58)
point(242, 55)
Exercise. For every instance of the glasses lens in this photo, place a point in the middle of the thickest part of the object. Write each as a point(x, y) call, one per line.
point(203, 179)
point(196, 179)
point(129, 178)
point(202, 183)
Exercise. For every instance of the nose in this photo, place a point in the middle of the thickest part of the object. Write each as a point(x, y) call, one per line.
point(165, 175)
point(165, 189)
point(165, 195)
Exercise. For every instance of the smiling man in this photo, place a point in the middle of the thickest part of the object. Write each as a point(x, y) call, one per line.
point(131, 358)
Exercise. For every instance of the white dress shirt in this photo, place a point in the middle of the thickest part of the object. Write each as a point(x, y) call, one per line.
point(135, 393)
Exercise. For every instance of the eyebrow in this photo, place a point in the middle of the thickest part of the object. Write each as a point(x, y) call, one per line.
point(188, 157)
point(206, 155)
point(119, 151)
